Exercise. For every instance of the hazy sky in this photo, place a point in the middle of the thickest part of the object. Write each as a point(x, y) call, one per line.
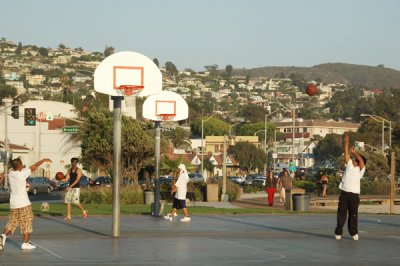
point(192, 34)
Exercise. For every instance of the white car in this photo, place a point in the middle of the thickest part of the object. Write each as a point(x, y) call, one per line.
point(259, 181)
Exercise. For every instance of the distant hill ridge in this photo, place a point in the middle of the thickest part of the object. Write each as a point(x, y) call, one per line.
point(351, 74)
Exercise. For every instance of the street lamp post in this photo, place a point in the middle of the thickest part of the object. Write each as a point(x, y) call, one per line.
point(293, 110)
point(202, 142)
point(383, 120)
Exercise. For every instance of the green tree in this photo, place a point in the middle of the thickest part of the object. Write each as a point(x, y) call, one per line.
point(97, 147)
point(170, 68)
point(250, 157)
point(61, 46)
point(137, 147)
point(43, 51)
point(250, 129)
point(7, 91)
point(109, 50)
point(178, 137)
point(155, 60)
point(253, 113)
point(213, 69)
point(19, 49)
point(229, 69)
point(212, 127)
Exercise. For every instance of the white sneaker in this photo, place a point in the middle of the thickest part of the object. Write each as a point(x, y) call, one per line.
point(3, 238)
point(175, 214)
point(185, 219)
point(168, 217)
point(338, 237)
point(355, 237)
point(28, 245)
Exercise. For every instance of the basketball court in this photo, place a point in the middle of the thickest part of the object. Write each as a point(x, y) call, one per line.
point(207, 240)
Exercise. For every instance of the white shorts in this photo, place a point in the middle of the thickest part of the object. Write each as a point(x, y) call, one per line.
point(72, 195)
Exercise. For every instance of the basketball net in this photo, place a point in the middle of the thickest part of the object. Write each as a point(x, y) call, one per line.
point(129, 90)
point(166, 117)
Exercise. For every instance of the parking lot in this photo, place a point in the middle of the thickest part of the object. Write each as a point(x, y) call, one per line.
point(298, 239)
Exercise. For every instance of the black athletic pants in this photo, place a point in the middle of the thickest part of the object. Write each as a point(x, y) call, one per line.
point(348, 202)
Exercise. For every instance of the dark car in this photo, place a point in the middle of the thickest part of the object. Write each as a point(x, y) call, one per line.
point(101, 181)
point(84, 182)
point(4, 195)
point(196, 177)
point(35, 185)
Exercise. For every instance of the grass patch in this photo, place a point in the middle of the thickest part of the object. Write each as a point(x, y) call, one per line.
point(59, 209)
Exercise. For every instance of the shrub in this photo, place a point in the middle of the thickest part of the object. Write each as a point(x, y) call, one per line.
point(308, 186)
point(132, 195)
point(103, 195)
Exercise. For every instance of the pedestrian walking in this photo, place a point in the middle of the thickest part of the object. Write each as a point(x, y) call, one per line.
point(324, 183)
point(349, 198)
point(285, 183)
point(20, 206)
point(180, 195)
point(271, 185)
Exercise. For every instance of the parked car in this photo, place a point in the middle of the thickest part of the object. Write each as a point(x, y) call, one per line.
point(62, 185)
point(166, 179)
point(35, 185)
point(259, 181)
point(102, 181)
point(196, 177)
point(4, 195)
point(84, 182)
point(250, 178)
point(238, 180)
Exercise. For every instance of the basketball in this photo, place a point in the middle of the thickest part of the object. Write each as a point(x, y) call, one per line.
point(311, 89)
point(59, 176)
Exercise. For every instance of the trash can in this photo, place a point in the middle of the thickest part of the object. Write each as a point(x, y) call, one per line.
point(301, 202)
point(212, 192)
point(148, 197)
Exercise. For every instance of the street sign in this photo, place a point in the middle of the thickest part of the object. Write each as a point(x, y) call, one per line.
point(70, 129)
point(274, 155)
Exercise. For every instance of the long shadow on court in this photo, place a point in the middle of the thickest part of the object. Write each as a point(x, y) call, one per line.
point(282, 229)
point(74, 226)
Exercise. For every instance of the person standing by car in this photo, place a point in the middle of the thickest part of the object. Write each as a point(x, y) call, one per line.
point(271, 184)
point(180, 195)
point(73, 175)
point(20, 207)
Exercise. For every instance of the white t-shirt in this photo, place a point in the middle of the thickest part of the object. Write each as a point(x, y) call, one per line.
point(18, 194)
point(351, 178)
point(181, 186)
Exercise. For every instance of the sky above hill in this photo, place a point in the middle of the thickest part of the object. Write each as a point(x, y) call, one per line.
point(193, 34)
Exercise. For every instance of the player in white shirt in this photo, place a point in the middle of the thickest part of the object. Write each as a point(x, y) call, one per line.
point(20, 207)
point(180, 196)
point(349, 198)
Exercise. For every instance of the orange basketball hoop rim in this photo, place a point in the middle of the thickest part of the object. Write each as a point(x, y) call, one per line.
point(129, 90)
point(166, 117)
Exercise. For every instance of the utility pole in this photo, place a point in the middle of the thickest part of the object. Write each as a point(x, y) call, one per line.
point(392, 173)
point(7, 103)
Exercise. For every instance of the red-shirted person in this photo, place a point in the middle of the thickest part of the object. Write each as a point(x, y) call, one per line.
point(271, 184)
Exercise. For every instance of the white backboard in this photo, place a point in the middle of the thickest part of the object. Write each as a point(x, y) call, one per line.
point(127, 68)
point(165, 103)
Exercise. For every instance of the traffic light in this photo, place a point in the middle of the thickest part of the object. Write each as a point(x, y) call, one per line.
point(15, 111)
point(30, 117)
